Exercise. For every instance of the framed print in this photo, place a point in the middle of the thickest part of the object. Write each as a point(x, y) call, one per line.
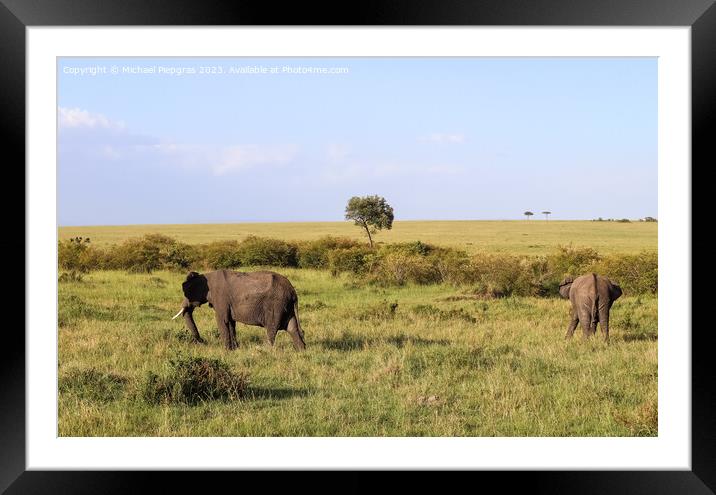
point(407, 194)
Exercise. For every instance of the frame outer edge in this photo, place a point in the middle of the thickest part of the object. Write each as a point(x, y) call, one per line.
point(12, 372)
point(12, 363)
point(703, 108)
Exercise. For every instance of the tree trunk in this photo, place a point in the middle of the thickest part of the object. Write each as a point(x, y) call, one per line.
point(367, 230)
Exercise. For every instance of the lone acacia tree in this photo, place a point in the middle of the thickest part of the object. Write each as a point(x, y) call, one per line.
point(373, 213)
point(528, 214)
point(546, 214)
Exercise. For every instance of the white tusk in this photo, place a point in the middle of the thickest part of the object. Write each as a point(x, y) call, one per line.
point(180, 312)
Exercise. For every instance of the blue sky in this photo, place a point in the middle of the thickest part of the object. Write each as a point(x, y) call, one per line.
point(439, 138)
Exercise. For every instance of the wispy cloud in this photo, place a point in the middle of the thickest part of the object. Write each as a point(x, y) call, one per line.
point(438, 137)
point(241, 157)
point(98, 136)
point(76, 117)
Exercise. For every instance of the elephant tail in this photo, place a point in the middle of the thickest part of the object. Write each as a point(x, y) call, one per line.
point(595, 301)
point(295, 313)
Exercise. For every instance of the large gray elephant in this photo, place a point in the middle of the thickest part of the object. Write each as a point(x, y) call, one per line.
point(265, 299)
point(592, 297)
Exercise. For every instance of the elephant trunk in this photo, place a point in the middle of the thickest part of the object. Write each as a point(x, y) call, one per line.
point(188, 312)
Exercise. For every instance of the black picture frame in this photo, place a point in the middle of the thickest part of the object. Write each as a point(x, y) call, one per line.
point(700, 15)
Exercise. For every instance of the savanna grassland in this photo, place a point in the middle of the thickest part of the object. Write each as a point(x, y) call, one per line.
point(412, 359)
point(518, 237)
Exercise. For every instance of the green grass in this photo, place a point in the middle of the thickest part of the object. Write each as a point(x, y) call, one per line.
point(518, 237)
point(440, 363)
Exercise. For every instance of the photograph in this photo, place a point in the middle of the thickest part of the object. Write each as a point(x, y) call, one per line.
point(357, 246)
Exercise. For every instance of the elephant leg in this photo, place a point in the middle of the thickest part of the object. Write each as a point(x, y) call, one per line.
point(232, 333)
point(572, 325)
point(271, 335)
point(223, 324)
point(296, 334)
point(604, 322)
point(585, 318)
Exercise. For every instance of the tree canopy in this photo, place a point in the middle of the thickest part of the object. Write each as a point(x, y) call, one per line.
point(373, 213)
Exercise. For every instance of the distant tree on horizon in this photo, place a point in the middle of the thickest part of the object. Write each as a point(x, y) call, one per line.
point(547, 214)
point(528, 214)
point(373, 213)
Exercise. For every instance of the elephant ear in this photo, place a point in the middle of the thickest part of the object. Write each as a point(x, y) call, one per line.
point(615, 292)
point(195, 288)
point(565, 286)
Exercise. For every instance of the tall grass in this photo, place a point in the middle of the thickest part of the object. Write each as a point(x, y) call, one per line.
point(394, 360)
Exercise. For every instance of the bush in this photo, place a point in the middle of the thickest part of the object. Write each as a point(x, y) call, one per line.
point(260, 251)
point(490, 274)
point(191, 380)
point(77, 255)
point(220, 254)
point(452, 265)
point(502, 275)
point(314, 254)
point(151, 252)
point(398, 267)
point(570, 261)
point(357, 260)
point(634, 273)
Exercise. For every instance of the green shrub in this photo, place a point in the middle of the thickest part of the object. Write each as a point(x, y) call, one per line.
point(261, 251)
point(78, 255)
point(452, 265)
point(417, 248)
point(502, 275)
point(357, 260)
point(398, 267)
point(314, 254)
point(219, 254)
point(570, 261)
point(151, 252)
point(634, 273)
point(191, 380)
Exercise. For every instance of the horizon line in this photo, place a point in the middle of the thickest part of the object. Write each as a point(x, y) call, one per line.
point(346, 221)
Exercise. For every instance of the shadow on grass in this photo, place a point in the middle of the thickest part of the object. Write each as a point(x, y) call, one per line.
point(640, 337)
point(355, 343)
point(345, 343)
point(280, 393)
point(401, 340)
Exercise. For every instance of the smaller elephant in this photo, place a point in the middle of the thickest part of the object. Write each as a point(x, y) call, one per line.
point(265, 299)
point(592, 297)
